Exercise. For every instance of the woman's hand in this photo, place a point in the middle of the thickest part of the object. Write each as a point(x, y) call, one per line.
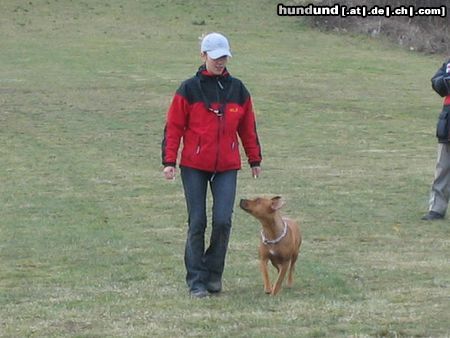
point(169, 172)
point(256, 171)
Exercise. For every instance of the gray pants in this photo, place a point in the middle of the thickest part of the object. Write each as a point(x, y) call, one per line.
point(440, 190)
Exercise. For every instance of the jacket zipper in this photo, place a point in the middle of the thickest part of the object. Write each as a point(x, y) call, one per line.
point(219, 129)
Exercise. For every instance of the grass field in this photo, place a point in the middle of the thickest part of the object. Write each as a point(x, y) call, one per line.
point(92, 237)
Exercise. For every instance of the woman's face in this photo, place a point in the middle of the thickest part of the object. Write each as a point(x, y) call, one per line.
point(215, 67)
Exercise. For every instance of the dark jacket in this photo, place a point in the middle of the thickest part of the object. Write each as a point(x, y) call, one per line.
point(440, 82)
point(208, 113)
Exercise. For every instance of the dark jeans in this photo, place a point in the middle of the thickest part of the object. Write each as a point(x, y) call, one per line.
point(205, 268)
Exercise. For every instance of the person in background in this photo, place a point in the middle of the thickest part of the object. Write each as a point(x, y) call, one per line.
point(211, 113)
point(440, 189)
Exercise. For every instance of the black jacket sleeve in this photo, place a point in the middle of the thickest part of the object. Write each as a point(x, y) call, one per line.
point(440, 82)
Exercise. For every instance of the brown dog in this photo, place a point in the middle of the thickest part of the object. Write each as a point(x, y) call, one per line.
point(280, 240)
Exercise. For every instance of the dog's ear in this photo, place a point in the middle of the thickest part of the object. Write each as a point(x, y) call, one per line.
point(277, 202)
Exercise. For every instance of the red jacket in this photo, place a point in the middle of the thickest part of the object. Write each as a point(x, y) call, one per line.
point(208, 113)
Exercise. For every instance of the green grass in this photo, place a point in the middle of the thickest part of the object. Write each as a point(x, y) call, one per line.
point(92, 237)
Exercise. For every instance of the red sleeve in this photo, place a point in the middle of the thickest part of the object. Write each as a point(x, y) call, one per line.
point(249, 136)
point(174, 130)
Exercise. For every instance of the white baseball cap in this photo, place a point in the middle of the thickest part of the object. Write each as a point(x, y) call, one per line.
point(216, 45)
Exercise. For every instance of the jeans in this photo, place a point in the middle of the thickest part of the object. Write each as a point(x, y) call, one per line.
point(440, 190)
point(205, 267)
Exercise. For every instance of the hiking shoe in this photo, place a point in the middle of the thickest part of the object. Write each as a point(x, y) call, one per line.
point(214, 287)
point(199, 293)
point(432, 216)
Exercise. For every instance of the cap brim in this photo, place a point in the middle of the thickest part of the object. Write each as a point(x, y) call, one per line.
point(218, 53)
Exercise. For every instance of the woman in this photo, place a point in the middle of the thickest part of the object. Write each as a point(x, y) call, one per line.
point(208, 112)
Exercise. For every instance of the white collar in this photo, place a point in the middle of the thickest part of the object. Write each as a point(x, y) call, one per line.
point(274, 241)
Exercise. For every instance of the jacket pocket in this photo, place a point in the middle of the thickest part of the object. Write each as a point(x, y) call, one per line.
point(442, 128)
point(198, 148)
point(234, 145)
point(192, 146)
point(234, 150)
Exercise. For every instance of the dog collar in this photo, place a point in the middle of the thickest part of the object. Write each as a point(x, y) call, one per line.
point(274, 241)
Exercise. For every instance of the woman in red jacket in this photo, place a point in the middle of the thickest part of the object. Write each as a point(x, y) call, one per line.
point(210, 112)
